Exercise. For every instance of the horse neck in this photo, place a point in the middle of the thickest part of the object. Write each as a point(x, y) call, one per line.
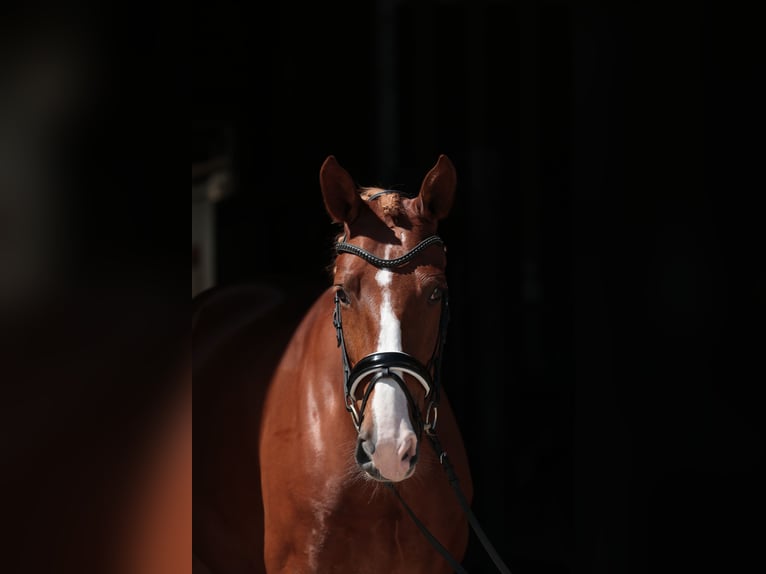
point(310, 374)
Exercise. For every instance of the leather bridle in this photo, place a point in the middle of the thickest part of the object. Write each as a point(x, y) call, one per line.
point(392, 364)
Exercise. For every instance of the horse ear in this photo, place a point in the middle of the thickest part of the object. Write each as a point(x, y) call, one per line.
point(438, 190)
point(339, 191)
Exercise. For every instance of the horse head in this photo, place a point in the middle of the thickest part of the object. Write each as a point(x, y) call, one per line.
point(390, 311)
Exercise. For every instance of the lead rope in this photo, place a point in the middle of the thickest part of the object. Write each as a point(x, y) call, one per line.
point(452, 477)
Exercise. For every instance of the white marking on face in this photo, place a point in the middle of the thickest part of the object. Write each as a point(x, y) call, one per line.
point(390, 335)
point(389, 404)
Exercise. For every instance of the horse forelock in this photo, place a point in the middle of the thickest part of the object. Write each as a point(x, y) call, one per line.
point(385, 203)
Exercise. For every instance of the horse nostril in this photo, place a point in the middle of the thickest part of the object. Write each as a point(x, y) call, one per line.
point(409, 449)
point(364, 450)
point(413, 458)
point(368, 446)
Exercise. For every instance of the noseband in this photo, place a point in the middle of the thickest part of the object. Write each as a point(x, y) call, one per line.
point(392, 364)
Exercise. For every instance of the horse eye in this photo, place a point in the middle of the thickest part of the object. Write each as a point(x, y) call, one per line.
point(436, 294)
point(342, 296)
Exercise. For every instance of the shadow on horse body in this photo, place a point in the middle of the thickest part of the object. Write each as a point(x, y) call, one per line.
point(310, 428)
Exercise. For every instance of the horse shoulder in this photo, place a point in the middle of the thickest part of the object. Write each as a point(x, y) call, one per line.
point(238, 336)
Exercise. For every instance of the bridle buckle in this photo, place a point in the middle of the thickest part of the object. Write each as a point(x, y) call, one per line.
point(429, 424)
point(351, 408)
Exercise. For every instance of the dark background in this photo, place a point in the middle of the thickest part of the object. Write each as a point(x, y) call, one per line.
point(606, 282)
point(95, 345)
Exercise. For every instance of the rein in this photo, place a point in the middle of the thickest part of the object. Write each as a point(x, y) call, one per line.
point(385, 364)
point(453, 480)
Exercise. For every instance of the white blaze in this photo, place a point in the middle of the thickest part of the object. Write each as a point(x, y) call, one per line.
point(392, 430)
point(390, 335)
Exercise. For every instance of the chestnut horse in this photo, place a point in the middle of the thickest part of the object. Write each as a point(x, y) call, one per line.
point(313, 458)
